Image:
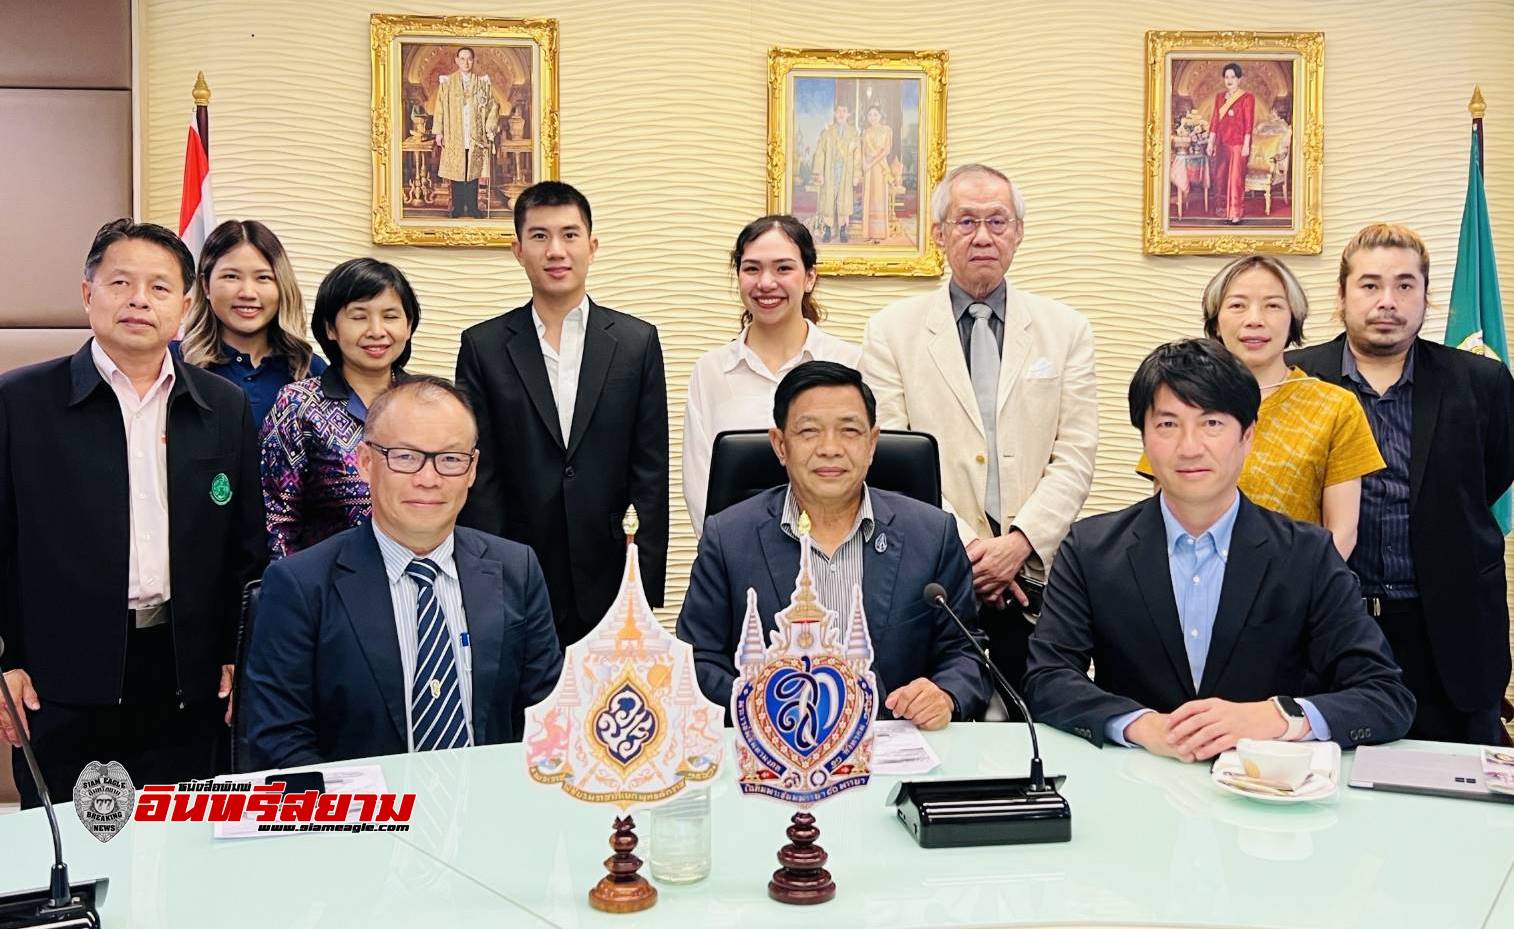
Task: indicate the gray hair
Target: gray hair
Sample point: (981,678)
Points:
(1293,292)
(941,197)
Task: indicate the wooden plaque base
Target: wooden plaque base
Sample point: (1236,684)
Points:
(803,878)
(623,890)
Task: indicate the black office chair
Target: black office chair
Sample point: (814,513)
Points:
(743,465)
(249,614)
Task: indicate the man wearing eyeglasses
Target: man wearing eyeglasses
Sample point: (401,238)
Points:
(1004,379)
(408,633)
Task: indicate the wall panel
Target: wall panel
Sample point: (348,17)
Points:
(663,113)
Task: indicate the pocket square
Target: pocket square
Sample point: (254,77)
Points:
(1040,370)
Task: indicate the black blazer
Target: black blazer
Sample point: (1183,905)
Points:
(64,523)
(324,676)
(1289,612)
(1461,460)
(744,547)
(566,497)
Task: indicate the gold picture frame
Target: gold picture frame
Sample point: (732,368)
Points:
(883,157)
(425,193)
(1193,204)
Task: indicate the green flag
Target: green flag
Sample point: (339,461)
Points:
(1476,321)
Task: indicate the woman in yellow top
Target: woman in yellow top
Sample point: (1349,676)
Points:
(1313,444)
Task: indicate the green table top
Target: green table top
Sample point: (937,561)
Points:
(1154,844)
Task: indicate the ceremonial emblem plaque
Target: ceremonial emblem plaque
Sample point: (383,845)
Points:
(803,706)
(626,725)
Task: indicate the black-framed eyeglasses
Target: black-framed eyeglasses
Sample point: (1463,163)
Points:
(411,460)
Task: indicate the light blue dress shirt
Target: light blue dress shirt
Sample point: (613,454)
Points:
(1198,575)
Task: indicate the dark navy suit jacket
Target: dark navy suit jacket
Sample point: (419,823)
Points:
(744,546)
(324,680)
(1290,613)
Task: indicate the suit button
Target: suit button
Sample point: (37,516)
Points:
(981,459)
(568,472)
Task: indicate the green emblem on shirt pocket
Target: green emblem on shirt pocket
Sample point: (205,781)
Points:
(220,489)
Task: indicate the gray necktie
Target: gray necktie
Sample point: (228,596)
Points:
(983,365)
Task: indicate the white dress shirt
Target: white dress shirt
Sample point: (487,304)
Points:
(565,361)
(146,421)
(732,389)
(405,593)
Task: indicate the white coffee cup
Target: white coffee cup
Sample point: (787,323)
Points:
(1284,762)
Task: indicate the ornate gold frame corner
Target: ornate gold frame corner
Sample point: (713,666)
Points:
(864,261)
(1306,237)
(384,30)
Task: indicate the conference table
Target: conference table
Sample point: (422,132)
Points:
(1154,843)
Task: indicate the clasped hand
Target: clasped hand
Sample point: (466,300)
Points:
(922,703)
(1202,729)
(996,563)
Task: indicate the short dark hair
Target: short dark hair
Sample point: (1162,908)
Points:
(360,279)
(465,48)
(426,388)
(551,193)
(813,374)
(1202,373)
(1233,66)
(119,230)
(795,232)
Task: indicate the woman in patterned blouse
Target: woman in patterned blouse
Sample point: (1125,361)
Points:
(1312,444)
(365,314)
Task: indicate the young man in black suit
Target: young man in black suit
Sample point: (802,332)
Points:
(573,419)
(1207,618)
(1429,552)
(130,519)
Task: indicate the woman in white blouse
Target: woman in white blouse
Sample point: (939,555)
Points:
(732,386)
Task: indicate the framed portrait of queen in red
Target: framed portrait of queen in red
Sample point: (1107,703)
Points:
(1234,143)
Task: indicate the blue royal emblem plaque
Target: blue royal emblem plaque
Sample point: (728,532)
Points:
(803,705)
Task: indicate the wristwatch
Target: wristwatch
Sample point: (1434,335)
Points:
(1293,715)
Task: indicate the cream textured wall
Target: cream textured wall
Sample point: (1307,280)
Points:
(663,114)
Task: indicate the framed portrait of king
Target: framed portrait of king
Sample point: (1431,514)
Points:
(464,119)
(1234,143)
(856,144)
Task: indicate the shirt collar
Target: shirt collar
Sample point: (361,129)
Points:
(1350,370)
(1220,532)
(578,316)
(734,353)
(112,373)
(995,301)
(864,516)
(397,556)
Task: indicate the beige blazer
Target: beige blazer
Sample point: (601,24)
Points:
(1048,425)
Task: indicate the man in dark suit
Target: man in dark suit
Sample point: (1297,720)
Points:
(1207,618)
(130,519)
(888,544)
(406,633)
(573,419)
(1429,552)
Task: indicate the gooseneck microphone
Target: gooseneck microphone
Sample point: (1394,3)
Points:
(935,595)
(955,813)
(59,904)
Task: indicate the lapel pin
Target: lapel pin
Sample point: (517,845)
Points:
(880,544)
(220,489)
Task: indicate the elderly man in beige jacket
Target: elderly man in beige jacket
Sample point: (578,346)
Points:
(1004,379)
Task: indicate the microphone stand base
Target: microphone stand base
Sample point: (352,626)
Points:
(950,813)
(32,909)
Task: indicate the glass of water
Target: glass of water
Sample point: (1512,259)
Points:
(680,852)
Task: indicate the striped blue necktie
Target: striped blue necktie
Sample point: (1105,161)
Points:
(436,704)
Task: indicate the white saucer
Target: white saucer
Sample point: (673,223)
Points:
(1322,783)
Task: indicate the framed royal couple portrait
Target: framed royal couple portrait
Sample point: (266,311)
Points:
(856,145)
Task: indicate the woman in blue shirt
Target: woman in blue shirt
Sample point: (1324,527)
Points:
(247,321)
